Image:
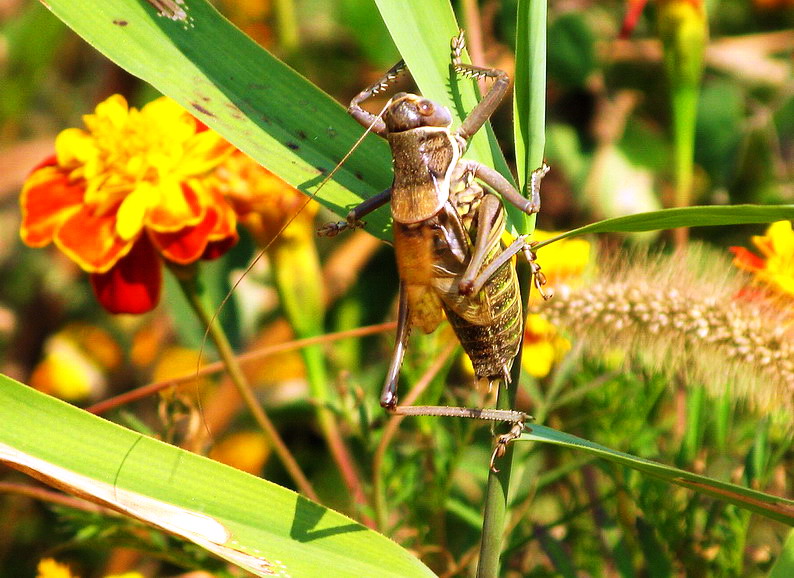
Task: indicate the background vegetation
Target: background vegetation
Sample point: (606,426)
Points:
(611,147)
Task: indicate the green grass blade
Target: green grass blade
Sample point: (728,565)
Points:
(262,527)
(683,217)
(774,507)
(246,94)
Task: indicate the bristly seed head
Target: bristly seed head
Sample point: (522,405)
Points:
(683,314)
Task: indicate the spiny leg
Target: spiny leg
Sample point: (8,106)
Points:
(353,219)
(367,119)
(485,108)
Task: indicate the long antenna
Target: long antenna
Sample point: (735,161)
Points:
(261,253)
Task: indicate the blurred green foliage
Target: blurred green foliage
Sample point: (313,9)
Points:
(572,515)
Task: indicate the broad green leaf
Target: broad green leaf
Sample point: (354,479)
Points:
(684,217)
(246,94)
(262,527)
(774,507)
(529,99)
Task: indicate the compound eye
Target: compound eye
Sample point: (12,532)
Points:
(426,108)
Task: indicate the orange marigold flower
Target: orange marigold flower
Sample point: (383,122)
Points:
(775,267)
(129,189)
(263,202)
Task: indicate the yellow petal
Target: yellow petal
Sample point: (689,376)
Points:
(132,212)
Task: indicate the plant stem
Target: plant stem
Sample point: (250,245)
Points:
(191,288)
(530,117)
(496,494)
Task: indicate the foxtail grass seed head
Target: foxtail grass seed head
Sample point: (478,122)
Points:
(690,316)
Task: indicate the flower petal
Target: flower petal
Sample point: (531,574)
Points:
(90,240)
(133,284)
(747,260)
(48,198)
(178,206)
(188,244)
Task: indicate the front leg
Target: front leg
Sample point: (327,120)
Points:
(502,186)
(489,103)
(366,119)
(353,219)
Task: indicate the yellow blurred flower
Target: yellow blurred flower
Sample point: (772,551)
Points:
(49,568)
(775,267)
(75,363)
(247,451)
(564,264)
(543,346)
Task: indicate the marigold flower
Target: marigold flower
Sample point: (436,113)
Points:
(264,202)
(127,191)
(775,267)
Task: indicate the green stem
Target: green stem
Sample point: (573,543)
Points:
(289,38)
(496,494)
(530,117)
(299,281)
(191,287)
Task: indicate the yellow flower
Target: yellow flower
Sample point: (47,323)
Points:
(247,451)
(49,568)
(775,267)
(75,363)
(127,191)
(563,263)
(543,346)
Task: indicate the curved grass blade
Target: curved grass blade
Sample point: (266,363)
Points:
(239,89)
(774,507)
(255,524)
(683,217)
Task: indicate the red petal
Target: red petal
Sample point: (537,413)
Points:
(91,241)
(747,260)
(133,284)
(188,244)
(48,199)
(217,248)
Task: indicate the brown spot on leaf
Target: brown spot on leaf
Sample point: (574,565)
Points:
(201,109)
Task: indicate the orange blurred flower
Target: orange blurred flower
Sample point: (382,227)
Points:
(264,202)
(126,192)
(775,267)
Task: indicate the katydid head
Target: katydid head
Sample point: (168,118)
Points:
(407,111)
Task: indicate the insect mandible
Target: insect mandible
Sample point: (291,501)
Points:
(447,236)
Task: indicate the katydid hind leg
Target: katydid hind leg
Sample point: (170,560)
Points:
(490,225)
(388,397)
